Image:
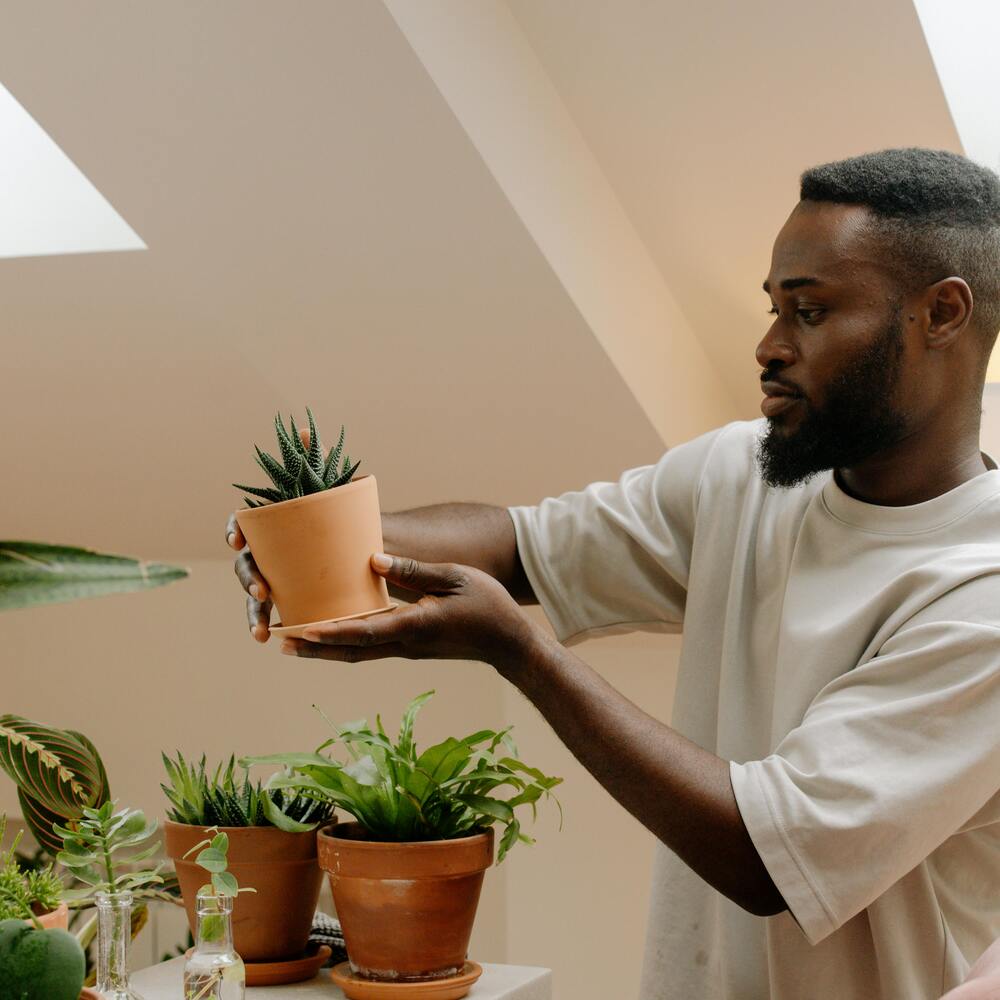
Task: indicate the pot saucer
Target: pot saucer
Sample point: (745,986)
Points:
(295,631)
(289,970)
(449,988)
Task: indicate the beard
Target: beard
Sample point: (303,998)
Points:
(858,419)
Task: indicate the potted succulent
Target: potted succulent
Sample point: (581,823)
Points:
(34,895)
(314,530)
(406,876)
(270,926)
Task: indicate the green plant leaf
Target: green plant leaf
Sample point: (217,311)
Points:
(35,573)
(212,860)
(225,883)
(330,469)
(315,454)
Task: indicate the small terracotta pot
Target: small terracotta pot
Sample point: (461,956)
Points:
(406,910)
(273,923)
(89,994)
(59,917)
(315,552)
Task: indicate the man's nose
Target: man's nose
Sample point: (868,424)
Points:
(775,349)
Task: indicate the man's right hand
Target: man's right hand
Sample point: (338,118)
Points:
(258,594)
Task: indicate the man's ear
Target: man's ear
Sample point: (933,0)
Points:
(947,309)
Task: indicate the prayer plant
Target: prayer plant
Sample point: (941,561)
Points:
(399,794)
(303,469)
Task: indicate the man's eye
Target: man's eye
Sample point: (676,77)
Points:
(811,315)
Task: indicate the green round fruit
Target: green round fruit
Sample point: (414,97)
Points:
(39,965)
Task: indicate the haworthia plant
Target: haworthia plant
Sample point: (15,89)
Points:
(58,773)
(33,573)
(302,470)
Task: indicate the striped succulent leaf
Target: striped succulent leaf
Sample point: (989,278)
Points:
(33,573)
(58,773)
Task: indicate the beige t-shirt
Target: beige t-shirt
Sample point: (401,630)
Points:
(846,658)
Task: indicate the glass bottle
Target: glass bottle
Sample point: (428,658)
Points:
(114,935)
(213,970)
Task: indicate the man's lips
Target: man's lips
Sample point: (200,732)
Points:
(777,398)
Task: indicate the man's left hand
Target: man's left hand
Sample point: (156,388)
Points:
(463,614)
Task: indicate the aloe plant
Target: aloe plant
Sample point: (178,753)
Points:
(33,573)
(400,795)
(58,773)
(202,798)
(303,469)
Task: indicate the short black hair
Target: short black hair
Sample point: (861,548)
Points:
(936,213)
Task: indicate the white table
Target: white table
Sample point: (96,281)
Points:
(498,982)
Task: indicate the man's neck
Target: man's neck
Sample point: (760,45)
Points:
(918,468)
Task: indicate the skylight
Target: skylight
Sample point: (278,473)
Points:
(47,206)
(962,36)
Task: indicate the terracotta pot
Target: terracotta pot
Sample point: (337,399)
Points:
(406,910)
(272,923)
(88,994)
(315,552)
(59,917)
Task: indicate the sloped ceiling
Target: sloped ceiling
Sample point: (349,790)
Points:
(320,231)
(703,115)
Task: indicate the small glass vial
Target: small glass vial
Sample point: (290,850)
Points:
(213,970)
(114,935)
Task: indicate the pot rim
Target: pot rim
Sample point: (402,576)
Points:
(255,512)
(237,829)
(323,832)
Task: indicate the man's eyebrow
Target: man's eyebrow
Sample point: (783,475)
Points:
(789,283)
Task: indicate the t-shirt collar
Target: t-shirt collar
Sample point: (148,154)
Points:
(926,516)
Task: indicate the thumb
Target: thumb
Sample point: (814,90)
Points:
(413,575)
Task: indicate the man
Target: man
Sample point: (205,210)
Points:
(827,799)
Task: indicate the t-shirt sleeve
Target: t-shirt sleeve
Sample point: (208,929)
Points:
(889,761)
(617,554)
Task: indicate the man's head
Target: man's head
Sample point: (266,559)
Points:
(885,285)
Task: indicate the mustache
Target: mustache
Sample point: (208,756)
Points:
(767,376)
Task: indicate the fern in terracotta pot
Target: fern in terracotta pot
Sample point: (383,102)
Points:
(313,531)
(406,876)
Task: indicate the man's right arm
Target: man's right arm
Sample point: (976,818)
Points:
(470,534)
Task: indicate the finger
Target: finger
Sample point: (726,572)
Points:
(253,583)
(385,627)
(234,536)
(259,619)
(343,654)
(430,578)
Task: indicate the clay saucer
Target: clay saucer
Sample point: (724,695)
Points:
(289,970)
(295,631)
(449,988)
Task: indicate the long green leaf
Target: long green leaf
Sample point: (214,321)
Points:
(33,573)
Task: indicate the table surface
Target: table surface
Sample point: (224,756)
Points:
(498,982)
